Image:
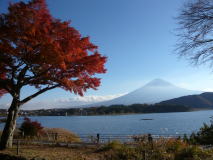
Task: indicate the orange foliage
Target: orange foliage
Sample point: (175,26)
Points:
(39,50)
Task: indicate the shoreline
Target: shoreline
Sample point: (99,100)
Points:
(2,117)
(121,114)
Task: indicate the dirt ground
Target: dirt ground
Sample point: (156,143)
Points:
(55,153)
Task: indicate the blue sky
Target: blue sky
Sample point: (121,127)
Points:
(137,36)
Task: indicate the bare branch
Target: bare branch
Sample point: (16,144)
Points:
(196,31)
(26,80)
(22,74)
(38,93)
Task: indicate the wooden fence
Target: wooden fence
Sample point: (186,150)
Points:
(103,138)
(99,138)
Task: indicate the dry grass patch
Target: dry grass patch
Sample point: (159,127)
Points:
(50,134)
(60,135)
(55,153)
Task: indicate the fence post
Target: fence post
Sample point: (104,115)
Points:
(144,154)
(17,147)
(150,140)
(56,136)
(98,138)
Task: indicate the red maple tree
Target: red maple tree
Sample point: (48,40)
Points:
(31,128)
(43,52)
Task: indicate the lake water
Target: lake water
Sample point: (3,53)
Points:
(162,123)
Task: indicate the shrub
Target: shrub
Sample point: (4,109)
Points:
(59,135)
(193,139)
(30,128)
(173,145)
(204,136)
(121,152)
(140,151)
(114,145)
(192,153)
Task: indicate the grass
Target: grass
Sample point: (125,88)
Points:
(51,135)
(63,135)
(163,149)
(55,153)
(160,150)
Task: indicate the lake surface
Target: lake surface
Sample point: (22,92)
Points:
(162,123)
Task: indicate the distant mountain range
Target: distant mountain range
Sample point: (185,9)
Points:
(156,91)
(204,100)
(153,92)
(155,97)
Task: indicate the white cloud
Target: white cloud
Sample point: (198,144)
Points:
(92,98)
(207,89)
(71,102)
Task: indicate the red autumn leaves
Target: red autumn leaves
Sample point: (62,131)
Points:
(39,50)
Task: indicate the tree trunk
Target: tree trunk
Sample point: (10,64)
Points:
(7,134)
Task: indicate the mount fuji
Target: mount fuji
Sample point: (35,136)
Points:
(153,92)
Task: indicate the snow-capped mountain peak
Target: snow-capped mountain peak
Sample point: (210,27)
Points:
(155,91)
